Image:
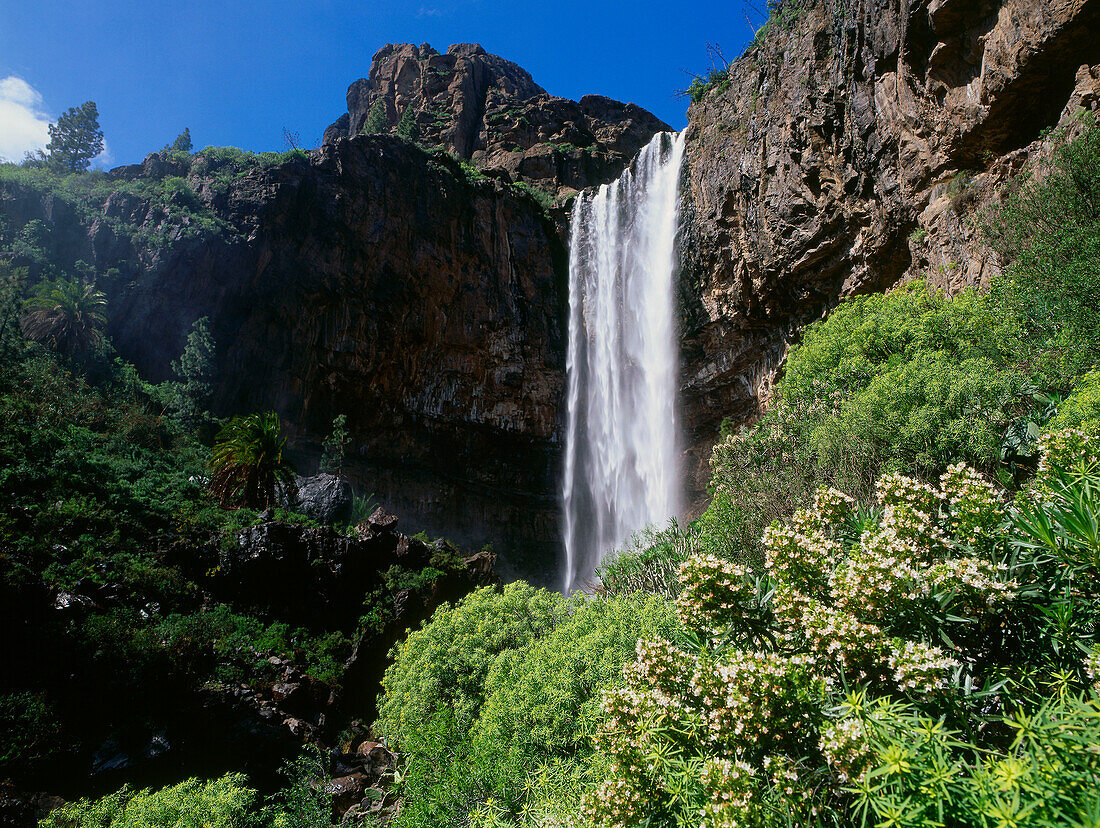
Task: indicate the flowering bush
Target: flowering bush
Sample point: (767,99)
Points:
(929,600)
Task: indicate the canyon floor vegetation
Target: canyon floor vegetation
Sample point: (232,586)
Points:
(886,616)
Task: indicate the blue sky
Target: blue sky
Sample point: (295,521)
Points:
(237,73)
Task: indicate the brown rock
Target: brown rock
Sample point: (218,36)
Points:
(833,142)
(345,791)
(382,521)
(489,110)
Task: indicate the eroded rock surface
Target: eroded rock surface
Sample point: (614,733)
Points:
(490,111)
(850,149)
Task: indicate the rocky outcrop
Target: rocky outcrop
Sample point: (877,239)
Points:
(851,148)
(312,575)
(488,110)
(327,498)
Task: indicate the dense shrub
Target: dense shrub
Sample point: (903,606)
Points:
(523,749)
(872,648)
(911,380)
(1048,230)
(1081,409)
(650,563)
(540,697)
(444,664)
(223,803)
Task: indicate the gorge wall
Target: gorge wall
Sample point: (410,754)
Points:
(854,145)
(419,286)
(388,280)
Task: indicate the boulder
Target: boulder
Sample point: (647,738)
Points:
(345,791)
(327,498)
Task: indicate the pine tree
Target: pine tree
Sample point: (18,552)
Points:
(76,138)
(196,373)
(183,141)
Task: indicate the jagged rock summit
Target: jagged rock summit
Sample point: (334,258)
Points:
(489,111)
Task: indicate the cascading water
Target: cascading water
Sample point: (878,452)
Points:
(622,448)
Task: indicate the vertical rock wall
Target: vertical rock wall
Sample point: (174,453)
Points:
(850,148)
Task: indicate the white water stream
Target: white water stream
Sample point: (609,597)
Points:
(622,449)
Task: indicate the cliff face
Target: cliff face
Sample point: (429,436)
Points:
(854,146)
(368,279)
(490,111)
(377,277)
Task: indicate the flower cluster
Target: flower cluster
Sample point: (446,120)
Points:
(843,744)
(975,510)
(798,556)
(731,784)
(705,732)
(1066,449)
(976,586)
(919,667)
(715,593)
(751,698)
(899,490)
(835,641)
(833,507)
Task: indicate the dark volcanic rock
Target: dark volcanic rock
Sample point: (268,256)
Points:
(489,110)
(369,279)
(838,137)
(327,498)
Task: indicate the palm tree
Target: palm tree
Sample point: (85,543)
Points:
(68,316)
(247,461)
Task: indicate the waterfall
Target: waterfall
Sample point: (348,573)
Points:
(622,469)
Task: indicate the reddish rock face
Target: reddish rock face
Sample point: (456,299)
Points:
(490,111)
(851,150)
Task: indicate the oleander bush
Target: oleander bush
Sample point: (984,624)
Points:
(926,662)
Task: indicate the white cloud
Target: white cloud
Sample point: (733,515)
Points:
(105,160)
(23,124)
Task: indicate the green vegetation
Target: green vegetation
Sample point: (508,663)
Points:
(492,700)
(66,315)
(335,445)
(195,371)
(717,80)
(406,125)
(781,16)
(889,668)
(75,139)
(226,802)
(888,614)
(376,118)
(223,803)
(545,200)
(182,142)
(247,463)
(1049,228)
